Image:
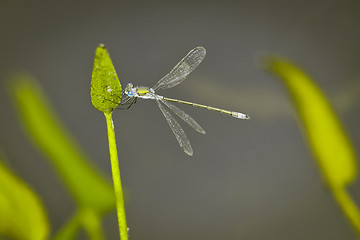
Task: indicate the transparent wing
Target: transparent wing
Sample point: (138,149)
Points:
(177,130)
(182,69)
(184,116)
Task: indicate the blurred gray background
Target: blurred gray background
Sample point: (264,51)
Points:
(249,180)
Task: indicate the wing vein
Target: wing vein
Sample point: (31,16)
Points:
(177,130)
(184,116)
(182,69)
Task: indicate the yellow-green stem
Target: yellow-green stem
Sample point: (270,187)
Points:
(116,178)
(349,207)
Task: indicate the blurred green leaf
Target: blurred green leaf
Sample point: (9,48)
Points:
(90,188)
(324,132)
(70,229)
(106,90)
(87,218)
(22,215)
(91,222)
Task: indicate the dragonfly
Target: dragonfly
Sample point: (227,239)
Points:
(173,78)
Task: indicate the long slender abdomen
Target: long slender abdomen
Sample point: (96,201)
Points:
(231,113)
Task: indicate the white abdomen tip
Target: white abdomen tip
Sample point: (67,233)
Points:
(240,115)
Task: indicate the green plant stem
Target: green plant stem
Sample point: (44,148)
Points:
(116,178)
(349,207)
(70,229)
(92,223)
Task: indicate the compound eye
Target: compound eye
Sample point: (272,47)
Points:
(129,90)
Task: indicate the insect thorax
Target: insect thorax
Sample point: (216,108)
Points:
(142,90)
(145,92)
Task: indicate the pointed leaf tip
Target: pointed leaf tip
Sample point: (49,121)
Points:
(106,92)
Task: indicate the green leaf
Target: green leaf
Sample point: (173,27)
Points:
(324,132)
(88,219)
(70,230)
(106,90)
(90,188)
(22,213)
